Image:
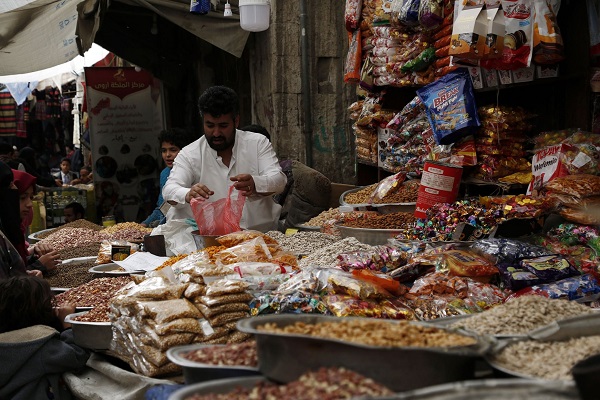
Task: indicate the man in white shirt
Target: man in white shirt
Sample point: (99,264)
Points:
(224,156)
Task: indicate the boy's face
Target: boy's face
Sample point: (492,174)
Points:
(83,173)
(65,166)
(169,151)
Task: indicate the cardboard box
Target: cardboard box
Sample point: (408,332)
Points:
(336,191)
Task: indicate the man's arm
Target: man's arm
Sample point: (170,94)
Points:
(271,179)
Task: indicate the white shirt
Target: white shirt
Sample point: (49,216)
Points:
(252,154)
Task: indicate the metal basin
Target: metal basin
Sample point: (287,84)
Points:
(91,335)
(368,236)
(204,241)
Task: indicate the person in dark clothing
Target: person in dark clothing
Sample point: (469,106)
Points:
(74,211)
(36,346)
(27,158)
(11,261)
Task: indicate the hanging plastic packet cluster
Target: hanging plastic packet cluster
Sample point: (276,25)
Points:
(450,106)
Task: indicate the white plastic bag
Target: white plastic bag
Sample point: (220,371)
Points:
(178,236)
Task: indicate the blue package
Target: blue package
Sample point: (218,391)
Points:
(450,106)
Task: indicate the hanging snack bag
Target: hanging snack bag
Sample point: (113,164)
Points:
(353,58)
(450,106)
(352,14)
(409,13)
(431,13)
(469,33)
(494,42)
(547,41)
(518,40)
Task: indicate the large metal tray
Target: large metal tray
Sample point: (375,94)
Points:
(368,236)
(91,335)
(284,357)
(111,269)
(219,386)
(493,389)
(33,237)
(194,372)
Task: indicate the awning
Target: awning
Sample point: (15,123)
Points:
(39,34)
(36,34)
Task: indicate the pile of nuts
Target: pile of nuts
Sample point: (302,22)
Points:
(129,234)
(92,294)
(87,250)
(235,354)
(327,256)
(404,193)
(73,237)
(395,220)
(127,225)
(327,215)
(374,332)
(96,314)
(303,242)
(360,197)
(78,223)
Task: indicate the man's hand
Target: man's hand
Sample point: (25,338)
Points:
(35,272)
(42,248)
(244,183)
(62,311)
(198,191)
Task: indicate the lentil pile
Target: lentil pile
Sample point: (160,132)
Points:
(130,231)
(521,315)
(88,250)
(547,360)
(395,220)
(96,314)
(327,256)
(71,275)
(374,332)
(236,354)
(324,384)
(303,242)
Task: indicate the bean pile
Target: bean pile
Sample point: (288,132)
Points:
(92,294)
(73,237)
(240,354)
(324,384)
(547,360)
(87,250)
(327,256)
(303,242)
(521,315)
(129,234)
(374,332)
(327,215)
(78,223)
(395,220)
(71,275)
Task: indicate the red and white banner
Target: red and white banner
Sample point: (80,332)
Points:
(125,117)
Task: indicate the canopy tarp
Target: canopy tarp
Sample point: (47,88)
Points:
(38,34)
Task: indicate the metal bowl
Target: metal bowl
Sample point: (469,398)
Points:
(219,386)
(493,389)
(368,236)
(284,357)
(308,228)
(195,372)
(91,335)
(204,241)
(33,237)
(111,269)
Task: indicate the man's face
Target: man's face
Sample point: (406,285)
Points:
(220,132)
(83,173)
(69,214)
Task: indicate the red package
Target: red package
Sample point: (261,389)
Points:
(353,59)
(352,14)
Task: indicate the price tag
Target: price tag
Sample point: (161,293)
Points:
(291,231)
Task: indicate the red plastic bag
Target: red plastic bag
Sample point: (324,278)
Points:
(218,217)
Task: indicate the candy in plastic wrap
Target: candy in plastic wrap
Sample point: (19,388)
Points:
(344,283)
(507,251)
(307,280)
(439,284)
(300,303)
(346,306)
(579,186)
(516,278)
(468,263)
(549,268)
(382,280)
(582,287)
(485,295)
